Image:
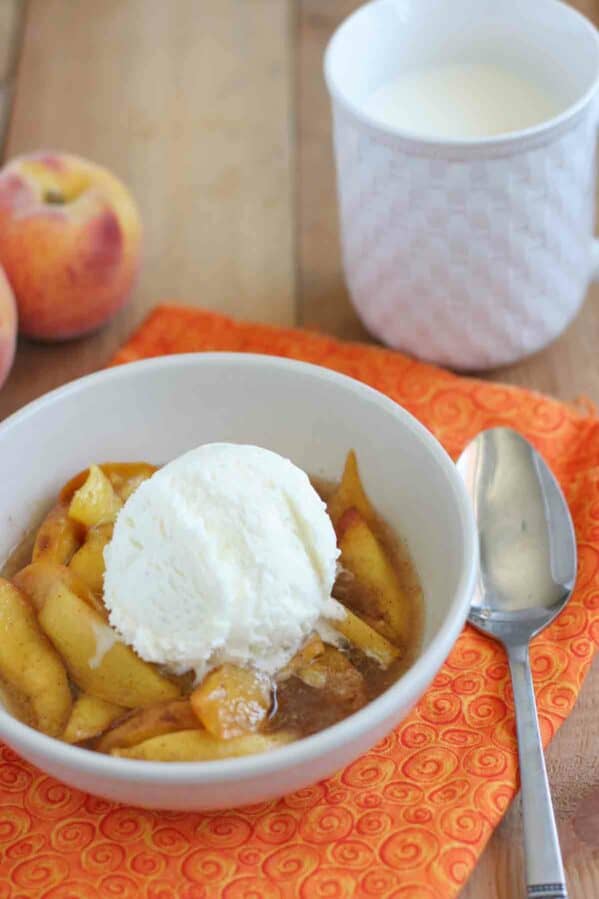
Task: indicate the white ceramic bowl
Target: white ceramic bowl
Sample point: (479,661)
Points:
(156,410)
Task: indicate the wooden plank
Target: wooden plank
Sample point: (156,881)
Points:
(189,103)
(12,14)
(323,299)
(567,369)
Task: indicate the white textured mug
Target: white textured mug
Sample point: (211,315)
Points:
(471,253)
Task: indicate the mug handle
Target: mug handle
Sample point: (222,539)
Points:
(595,241)
(595,259)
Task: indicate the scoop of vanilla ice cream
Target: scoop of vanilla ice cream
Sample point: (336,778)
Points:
(226,554)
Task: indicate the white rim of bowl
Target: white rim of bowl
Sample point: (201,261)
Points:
(414,681)
(502,144)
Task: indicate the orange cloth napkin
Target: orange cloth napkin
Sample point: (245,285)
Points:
(409,818)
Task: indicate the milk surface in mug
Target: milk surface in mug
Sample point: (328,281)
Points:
(461,100)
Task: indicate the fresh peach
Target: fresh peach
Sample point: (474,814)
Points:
(70,238)
(8,327)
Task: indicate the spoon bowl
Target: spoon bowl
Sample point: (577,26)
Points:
(527,572)
(526,537)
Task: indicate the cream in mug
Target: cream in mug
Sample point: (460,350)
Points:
(461,100)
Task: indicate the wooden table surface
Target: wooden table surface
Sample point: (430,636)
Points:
(215,114)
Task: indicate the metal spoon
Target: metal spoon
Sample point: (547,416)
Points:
(527,574)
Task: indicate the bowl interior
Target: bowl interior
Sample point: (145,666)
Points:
(158,409)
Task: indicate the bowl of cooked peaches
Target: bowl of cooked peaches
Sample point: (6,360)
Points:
(223,577)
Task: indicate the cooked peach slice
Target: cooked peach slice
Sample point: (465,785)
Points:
(201,746)
(17,704)
(29,663)
(145,724)
(38,579)
(232,701)
(365,638)
(312,648)
(96,501)
(98,662)
(88,561)
(67,490)
(364,556)
(350,493)
(90,717)
(58,537)
(125,477)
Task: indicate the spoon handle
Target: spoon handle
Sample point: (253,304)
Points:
(544,869)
